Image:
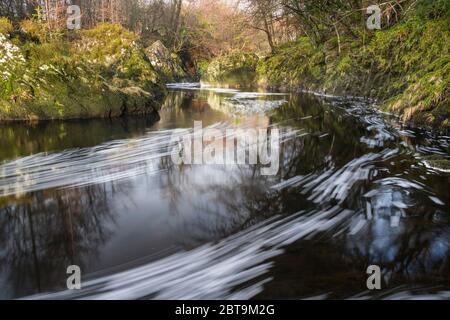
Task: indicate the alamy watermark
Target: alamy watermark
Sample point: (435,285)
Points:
(74,280)
(374,20)
(374,280)
(213,146)
(74,16)
(73,21)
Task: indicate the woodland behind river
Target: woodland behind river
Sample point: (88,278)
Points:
(126,51)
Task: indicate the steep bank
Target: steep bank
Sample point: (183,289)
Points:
(235,69)
(101,72)
(406,68)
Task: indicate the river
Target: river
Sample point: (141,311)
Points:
(353,189)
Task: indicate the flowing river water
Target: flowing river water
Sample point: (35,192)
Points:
(353,189)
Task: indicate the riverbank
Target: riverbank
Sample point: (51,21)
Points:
(405,68)
(97,73)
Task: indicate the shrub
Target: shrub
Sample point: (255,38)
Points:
(5,26)
(12,66)
(39,30)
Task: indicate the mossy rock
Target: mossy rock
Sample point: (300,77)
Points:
(168,65)
(237,69)
(99,75)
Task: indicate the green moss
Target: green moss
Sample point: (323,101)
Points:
(297,64)
(419,75)
(406,67)
(167,64)
(237,68)
(103,73)
(5,26)
(106,43)
(202,67)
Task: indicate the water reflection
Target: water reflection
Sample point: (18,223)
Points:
(350,192)
(44,232)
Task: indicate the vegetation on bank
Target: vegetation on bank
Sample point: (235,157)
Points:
(406,67)
(237,68)
(119,63)
(99,72)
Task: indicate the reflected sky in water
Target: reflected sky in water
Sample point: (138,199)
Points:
(353,190)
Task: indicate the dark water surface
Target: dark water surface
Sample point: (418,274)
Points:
(353,190)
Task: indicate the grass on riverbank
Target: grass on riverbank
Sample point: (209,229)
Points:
(406,68)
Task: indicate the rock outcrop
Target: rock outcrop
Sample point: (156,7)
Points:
(235,69)
(167,64)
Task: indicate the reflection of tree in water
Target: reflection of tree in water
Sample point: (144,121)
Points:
(230,200)
(45,232)
(331,133)
(227,200)
(182,108)
(415,253)
(413,248)
(22,139)
(215,208)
